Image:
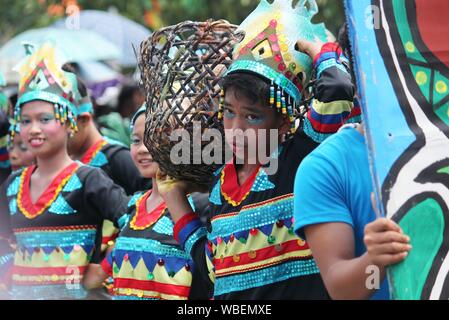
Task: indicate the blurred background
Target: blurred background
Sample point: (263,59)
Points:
(99,37)
(17,16)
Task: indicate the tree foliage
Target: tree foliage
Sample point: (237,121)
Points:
(18,16)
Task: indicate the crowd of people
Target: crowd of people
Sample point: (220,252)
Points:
(83,216)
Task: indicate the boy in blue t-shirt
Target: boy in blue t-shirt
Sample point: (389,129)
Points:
(332,208)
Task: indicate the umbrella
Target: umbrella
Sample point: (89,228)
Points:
(100,79)
(122,31)
(76,45)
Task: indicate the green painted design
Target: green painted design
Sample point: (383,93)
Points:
(441,87)
(422,75)
(424,224)
(400,14)
(422,78)
(443,113)
(444,170)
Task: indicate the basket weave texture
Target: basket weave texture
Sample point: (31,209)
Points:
(181,66)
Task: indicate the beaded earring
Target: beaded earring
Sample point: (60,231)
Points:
(272,94)
(221,105)
(62,114)
(278,100)
(284,104)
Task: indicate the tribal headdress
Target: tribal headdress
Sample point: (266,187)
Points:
(42,78)
(268,49)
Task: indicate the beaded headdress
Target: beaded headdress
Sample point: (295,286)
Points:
(85,105)
(42,78)
(268,49)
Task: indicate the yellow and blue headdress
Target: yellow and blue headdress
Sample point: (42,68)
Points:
(268,49)
(42,78)
(85,105)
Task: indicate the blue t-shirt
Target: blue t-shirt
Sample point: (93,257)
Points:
(333,184)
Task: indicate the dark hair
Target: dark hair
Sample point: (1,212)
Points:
(252,87)
(127,93)
(69,67)
(345,44)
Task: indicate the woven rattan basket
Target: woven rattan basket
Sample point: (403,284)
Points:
(181,67)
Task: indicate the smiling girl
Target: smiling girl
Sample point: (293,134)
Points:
(51,211)
(147,262)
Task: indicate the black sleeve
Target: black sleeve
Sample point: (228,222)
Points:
(4,123)
(104,198)
(125,173)
(202,287)
(202,205)
(334,85)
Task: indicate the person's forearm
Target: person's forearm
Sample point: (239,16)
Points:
(353,279)
(94,277)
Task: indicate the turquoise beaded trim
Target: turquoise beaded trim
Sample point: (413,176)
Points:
(60,206)
(49,292)
(253,218)
(164,225)
(262,183)
(13,206)
(218,171)
(5,259)
(267,72)
(99,161)
(314,135)
(5,164)
(123,221)
(13,187)
(192,204)
(193,238)
(73,184)
(215,195)
(150,246)
(355,119)
(134,198)
(259,278)
(46,96)
(326,64)
(86,108)
(54,239)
